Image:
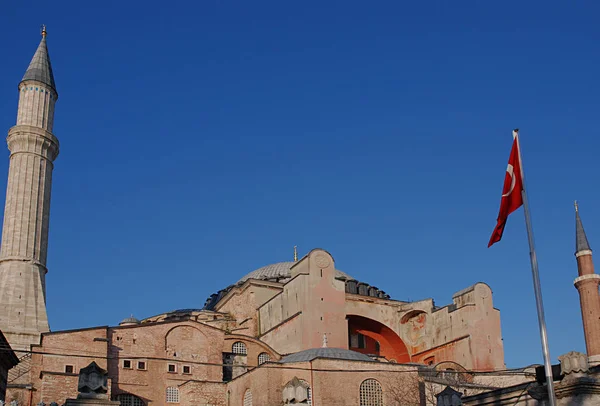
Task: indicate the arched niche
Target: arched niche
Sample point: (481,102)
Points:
(381,340)
(187,343)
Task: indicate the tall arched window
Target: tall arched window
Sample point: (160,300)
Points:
(248,398)
(371,393)
(239,348)
(128,399)
(172,394)
(263,357)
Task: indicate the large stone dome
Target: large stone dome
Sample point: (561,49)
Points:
(280,272)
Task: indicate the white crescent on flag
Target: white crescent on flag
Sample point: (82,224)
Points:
(510,171)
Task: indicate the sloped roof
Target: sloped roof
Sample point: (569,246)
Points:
(332,353)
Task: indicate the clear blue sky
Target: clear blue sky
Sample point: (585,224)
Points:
(202,140)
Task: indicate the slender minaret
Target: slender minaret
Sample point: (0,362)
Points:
(587,285)
(24,248)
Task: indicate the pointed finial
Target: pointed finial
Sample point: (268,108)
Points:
(295,253)
(44,33)
(581,242)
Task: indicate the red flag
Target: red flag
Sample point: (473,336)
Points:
(512,198)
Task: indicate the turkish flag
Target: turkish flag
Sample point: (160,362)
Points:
(512,197)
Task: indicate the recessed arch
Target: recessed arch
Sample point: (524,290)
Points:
(409,315)
(186,342)
(381,340)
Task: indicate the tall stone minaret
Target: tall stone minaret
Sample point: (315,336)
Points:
(33,148)
(587,285)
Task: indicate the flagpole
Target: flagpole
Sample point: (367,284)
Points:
(537,288)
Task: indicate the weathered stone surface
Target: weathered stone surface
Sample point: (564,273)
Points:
(33,149)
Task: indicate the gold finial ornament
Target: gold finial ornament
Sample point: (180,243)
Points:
(44,33)
(576,207)
(295,253)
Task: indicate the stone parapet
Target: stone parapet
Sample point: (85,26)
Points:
(594,277)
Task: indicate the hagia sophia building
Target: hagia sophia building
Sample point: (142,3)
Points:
(299,332)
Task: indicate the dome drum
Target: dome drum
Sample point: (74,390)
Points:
(281,273)
(129,321)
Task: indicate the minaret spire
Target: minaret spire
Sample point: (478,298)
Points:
(581,241)
(23,253)
(40,68)
(587,285)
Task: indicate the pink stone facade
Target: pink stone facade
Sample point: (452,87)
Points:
(215,356)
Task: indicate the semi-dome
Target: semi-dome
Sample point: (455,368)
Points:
(325,352)
(280,272)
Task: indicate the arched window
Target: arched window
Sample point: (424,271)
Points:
(127,399)
(263,357)
(239,348)
(371,393)
(248,398)
(172,394)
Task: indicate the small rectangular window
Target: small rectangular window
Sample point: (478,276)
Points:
(142,365)
(127,364)
(187,369)
(172,368)
(69,369)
